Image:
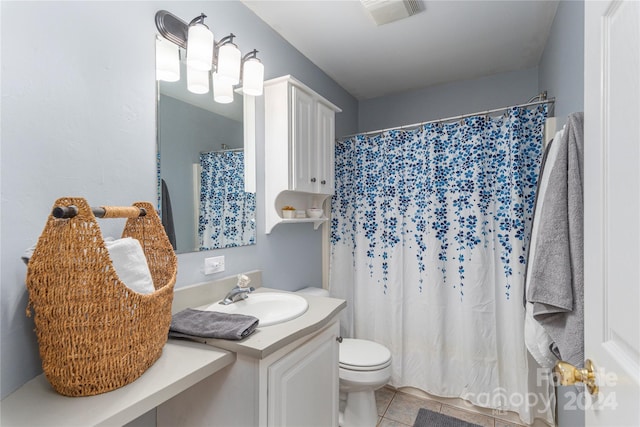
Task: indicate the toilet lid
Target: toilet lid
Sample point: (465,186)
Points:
(362,355)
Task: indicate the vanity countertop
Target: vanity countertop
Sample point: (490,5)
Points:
(181,365)
(267,340)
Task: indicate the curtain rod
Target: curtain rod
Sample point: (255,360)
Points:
(224,150)
(447,119)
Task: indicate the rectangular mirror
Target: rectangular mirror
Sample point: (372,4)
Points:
(202,156)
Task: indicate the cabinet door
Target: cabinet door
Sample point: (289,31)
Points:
(303,386)
(325,137)
(302,156)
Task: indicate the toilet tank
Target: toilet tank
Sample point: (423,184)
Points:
(316,292)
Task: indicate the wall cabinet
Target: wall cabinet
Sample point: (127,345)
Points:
(296,386)
(299,149)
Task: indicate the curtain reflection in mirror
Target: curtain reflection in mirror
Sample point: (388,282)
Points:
(226,217)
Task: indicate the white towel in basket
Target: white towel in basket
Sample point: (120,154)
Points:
(130,264)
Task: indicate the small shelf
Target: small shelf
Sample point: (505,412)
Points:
(317,222)
(299,200)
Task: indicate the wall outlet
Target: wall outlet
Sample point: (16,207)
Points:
(213,265)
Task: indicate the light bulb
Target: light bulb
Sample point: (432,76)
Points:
(197,81)
(252,77)
(167,61)
(200,47)
(229,57)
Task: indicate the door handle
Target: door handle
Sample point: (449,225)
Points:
(567,374)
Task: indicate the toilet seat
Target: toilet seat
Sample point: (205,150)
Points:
(363,355)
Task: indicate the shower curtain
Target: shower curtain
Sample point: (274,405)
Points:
(430,229)
(227,212)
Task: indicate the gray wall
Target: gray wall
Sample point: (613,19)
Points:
(448,100)
(78,118)
(562,63)
(562,75)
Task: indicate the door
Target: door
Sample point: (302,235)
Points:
(612,209)
(325,137)
(303,385)
(303,167)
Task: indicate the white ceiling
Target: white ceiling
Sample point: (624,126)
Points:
(446,41)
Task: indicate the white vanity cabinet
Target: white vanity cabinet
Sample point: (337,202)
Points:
(296,386)
(302,387)
(299,148)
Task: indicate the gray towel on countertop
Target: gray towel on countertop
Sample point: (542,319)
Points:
(211,324)
(556,286)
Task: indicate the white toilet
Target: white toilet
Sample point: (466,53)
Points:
(365,366)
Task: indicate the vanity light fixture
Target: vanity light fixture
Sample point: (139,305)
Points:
(252,74)
(228,60)
(204,54)
(199,45)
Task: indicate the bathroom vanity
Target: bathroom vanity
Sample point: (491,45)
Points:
(284,375)
(281,375)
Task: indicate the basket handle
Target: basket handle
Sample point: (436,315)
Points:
(101,211)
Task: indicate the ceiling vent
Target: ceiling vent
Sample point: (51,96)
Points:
(385,11)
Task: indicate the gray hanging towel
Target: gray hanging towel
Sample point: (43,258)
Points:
(167,215)
(556,286)
(211,324)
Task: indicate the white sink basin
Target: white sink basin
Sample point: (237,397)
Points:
(270,308)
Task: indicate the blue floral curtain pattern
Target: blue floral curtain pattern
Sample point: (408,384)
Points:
(430,229)
(227,212)
(467,184)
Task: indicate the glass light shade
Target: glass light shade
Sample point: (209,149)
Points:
(229,58)
(197,81)
(252,77)
(167,61)
(222,91)
(200,47)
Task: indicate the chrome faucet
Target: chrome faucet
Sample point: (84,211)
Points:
(240,292)
(237,294)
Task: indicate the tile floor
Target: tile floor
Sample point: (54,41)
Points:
(399,409)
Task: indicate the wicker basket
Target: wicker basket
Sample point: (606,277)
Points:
(94,333)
